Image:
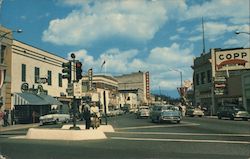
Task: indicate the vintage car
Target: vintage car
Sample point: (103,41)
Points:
(232,112)
(54,117)
(143,111)
(191,111)
(162,113)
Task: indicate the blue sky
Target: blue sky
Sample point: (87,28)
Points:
(130,35)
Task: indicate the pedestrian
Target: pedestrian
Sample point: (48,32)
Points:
(95,114)
(5,118)
(87,116)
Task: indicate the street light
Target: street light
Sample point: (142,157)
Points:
(5,34)
(240,32)
(179,72)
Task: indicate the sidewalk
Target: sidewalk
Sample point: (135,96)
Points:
(18,126)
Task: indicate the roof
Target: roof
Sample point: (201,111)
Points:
(34,99)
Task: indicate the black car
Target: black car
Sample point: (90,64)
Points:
(232,112)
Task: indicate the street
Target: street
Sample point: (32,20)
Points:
(194,137)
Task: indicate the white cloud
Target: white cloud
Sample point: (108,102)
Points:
(214,9)
(137,20)
(159,63)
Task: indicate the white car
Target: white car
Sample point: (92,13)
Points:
(143,111)
(54,118)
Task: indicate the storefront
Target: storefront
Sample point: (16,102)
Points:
(29,107)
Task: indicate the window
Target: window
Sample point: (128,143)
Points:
(60,80)
(209,76)
(197,79)
(3,48)
(49,78)
(203,77)
(37,74)
(23,73)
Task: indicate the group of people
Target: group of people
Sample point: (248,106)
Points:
(91,115)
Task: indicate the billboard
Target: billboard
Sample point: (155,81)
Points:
(235,59)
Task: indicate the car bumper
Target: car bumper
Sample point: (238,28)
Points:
(47,120)
(170,118)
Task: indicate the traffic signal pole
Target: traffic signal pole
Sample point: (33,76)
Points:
(74,66)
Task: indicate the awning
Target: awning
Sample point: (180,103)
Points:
(51,100)
(34,99)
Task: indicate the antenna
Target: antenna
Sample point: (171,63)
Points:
(203,37)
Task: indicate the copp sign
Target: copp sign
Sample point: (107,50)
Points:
(233,59)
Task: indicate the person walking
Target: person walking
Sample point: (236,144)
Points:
(87,116)
(5,118)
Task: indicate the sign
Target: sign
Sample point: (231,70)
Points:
(77,90)
(220,79)
(220,85)
(235,59)
(219,91)
(69,90)
(147,85)
(42,80)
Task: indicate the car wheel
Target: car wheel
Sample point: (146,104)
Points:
(219,117)
(178,121)
(232,118)
(245,119)
(158,120)
(153,121)
(200,116)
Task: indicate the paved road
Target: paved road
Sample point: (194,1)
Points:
(139,138)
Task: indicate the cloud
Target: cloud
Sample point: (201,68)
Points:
(136,20)
(93,20)
(214,9)
(160,63)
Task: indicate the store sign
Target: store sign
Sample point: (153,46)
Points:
(219,91)
(147,85)
(233,59)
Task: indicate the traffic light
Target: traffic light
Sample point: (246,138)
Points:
(67,71)
(78,71)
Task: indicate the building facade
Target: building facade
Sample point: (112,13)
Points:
(136,81)
(27,73)
(217,77)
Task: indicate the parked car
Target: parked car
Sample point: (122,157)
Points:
(165,113)
(194,112)
(54,117)
(143,111)
(232,112)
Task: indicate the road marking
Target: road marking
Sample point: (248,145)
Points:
(158,126)
(181,140)
(184,134)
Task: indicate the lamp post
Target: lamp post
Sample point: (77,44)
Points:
(6,33)
(241,32)
(180,74)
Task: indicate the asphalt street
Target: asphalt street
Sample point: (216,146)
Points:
(135,138)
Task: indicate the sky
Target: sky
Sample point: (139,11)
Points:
(159,36)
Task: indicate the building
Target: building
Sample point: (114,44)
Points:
(29,73)
(218,77)
(136,81)
(101,89)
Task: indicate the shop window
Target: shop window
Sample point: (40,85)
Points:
(23,73)
(37,74)
(49,78)
(197,79)
(60,80)
(3,49)
(209,76)
(203,77)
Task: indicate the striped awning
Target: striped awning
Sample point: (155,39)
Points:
(26,98)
